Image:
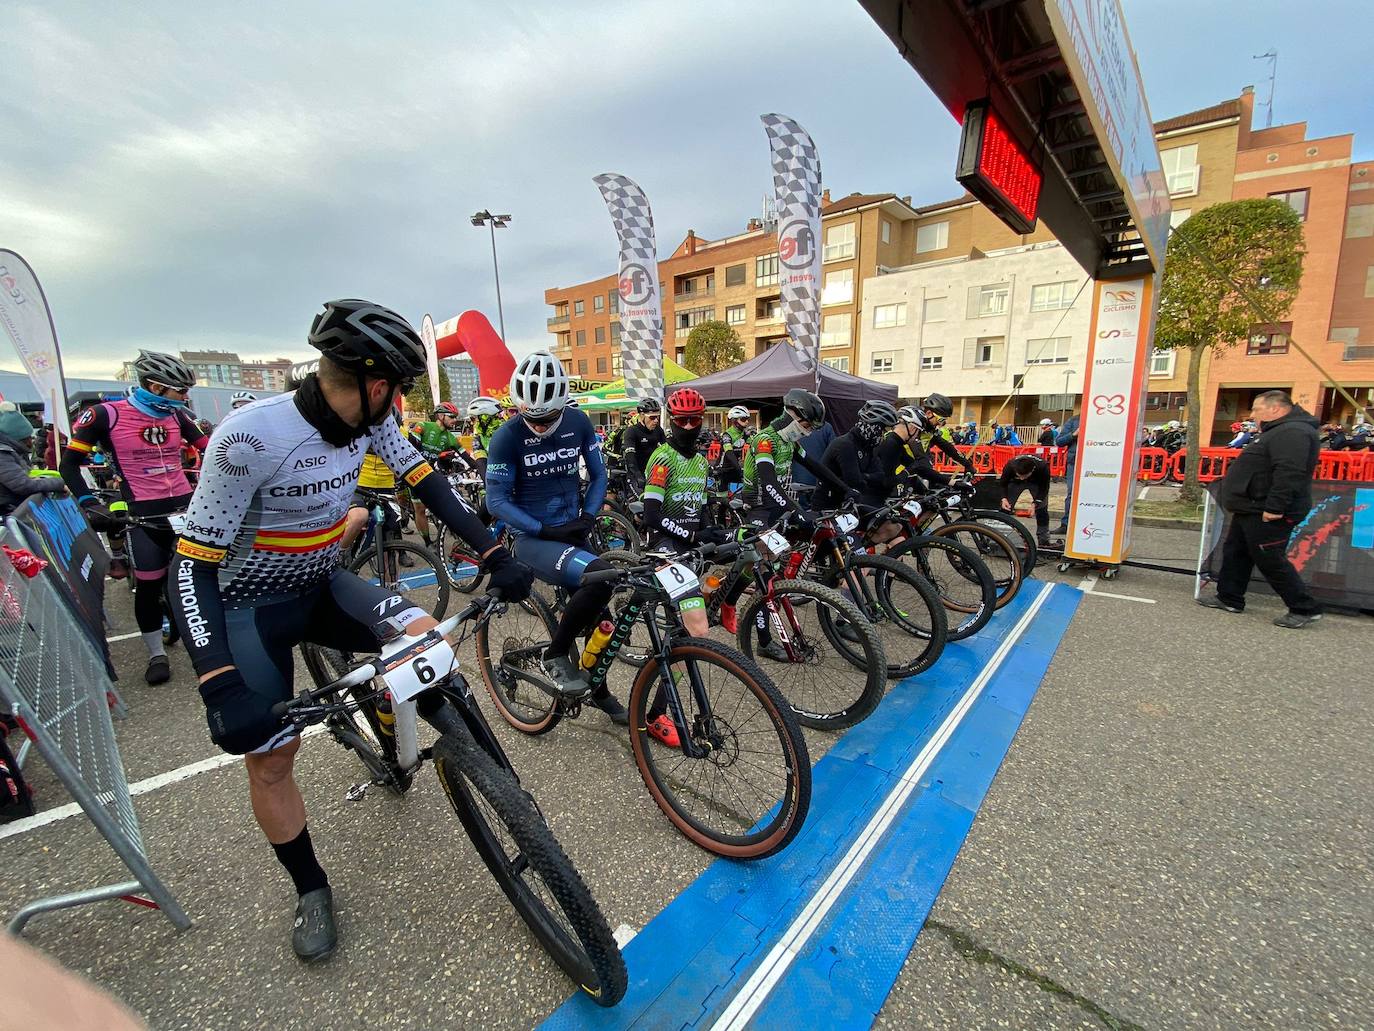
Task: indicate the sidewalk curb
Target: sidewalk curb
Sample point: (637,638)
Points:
(1160,523)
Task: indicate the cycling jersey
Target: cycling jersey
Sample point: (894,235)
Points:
(431,438)
(375,475)
(858,467)
(737,438)
(767,448)
(144,449)
(674,496)
(534,482)
(639,443)
(266,518)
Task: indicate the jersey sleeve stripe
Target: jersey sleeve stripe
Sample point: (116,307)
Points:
(415,475)
(80,446)
(200,551)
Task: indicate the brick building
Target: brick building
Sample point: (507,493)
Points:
(266,375)
(215,368)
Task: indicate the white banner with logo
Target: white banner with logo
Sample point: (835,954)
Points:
(797,187)
(28,323)
(431,356)
(1109,424)
(641,311)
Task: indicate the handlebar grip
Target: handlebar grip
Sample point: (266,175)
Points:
(280,710)
(601,576)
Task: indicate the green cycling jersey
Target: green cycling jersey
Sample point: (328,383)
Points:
(767,447)
(433,438)
(678,483)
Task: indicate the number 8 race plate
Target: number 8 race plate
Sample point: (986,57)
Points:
(678,580)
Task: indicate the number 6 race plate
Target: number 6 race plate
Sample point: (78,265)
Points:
(678,580)
(412,664)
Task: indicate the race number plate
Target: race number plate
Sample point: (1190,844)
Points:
(847,522)
(413,664)
(678,580)
(775,543)
(913,507)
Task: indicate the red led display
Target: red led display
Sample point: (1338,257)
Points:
(996,169)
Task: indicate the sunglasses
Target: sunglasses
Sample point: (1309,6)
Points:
(543,421)
(687,422)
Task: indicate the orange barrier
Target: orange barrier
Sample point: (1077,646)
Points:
(1154,466)
(1331,465)
(1344,465)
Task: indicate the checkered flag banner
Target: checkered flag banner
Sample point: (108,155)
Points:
(641,312)
(797,187)
(431,356)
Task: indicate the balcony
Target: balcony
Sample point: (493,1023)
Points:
(689,296)
(1358,353)
(558,320)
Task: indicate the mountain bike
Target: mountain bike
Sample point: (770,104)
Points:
(382,556)
(956,505)
(419,675)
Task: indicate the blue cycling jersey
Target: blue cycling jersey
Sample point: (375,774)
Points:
(534,482)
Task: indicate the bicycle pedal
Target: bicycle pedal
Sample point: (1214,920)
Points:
(356,792)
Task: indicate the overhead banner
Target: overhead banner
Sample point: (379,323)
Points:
(431,357)
(641,312)
(28,323)
(1119,346)
(797,187)
(471,333)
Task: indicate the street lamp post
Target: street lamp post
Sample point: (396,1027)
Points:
(495,222)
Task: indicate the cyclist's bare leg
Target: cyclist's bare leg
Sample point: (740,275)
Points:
(354,523)
(277,802)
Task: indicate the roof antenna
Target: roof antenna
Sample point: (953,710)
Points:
(1272,56)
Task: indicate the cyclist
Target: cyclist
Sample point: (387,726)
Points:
(736,445)
(534,487)
(433,439)
(257,568)
(485,414)
(904,461)
(142,436)
(676,516)
(641,439)
(241,398)
(853,460)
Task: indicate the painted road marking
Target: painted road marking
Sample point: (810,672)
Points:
(756,990)
(1118,597)
(123,637)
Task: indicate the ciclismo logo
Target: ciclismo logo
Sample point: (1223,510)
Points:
(796,244)
(1091,532)
(636,284)
(1119,300)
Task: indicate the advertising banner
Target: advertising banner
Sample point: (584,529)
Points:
(431,357)
(1109,424)
(641,310)
(797,188)
(28,323)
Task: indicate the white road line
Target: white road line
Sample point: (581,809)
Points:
(161,780)
(1086,584)
(123,637)
(623,935)
(755,991)
(1119,597)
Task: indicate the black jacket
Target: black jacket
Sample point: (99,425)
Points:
(857,468)
(1273,473)
(15,482)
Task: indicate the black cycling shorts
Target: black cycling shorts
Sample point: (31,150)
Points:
(150,547)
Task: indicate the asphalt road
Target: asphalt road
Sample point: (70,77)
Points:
(1179,837)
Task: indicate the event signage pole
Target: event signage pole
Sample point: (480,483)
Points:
(1119,345)
(28,323)
(641,312)
(797,187)
(431,357)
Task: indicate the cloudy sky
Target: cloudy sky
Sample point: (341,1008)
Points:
(194,176)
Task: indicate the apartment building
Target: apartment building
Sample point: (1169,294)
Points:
(215,368)
(1352,308)
(266,375)
(464,382)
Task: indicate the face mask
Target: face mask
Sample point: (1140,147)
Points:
(311,404)
(792,432)
(154,404)
(868,432)
(542,433)
(685,441)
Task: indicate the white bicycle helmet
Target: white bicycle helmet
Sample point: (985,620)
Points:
(737,412)
(1046,422)
(539,387)
(908,413)
(241,398)
(483,406)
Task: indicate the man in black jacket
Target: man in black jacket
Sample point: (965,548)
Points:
(1268,491)
(1028,473)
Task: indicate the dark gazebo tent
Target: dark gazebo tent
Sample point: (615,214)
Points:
(762,381)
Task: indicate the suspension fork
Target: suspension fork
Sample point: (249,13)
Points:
(784,628)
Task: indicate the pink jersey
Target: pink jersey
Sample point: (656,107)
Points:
(146,450)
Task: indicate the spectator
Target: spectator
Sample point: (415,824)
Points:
(1360,438)
(1244,433)
(1028,473)
(1267,490)
(970,434)
(1172,436)
(16,480)
(817,442)
(1047,433)
(1068,438)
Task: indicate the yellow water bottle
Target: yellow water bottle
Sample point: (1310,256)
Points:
(596,644)
(386,719)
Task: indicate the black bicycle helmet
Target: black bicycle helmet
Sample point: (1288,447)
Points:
(167,369)
(649,406)
(880,412)
(804,405)
(368,339)
(939,404)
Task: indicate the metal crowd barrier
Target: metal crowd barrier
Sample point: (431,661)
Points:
(54,681)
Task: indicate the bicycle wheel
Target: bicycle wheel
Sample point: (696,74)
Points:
(818,679)
(747,795)
(366,738)
(421,582)
(509,644)
(514,841)
(996,552)
(900,604)
(460,561)
(614,531)
(1014,531)
(962,580)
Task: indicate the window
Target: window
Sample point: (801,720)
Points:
(615,364)
(839,287)
(1270,339)
(582,367)
(734,315)
(839,242)
(613,299)
(1177,216)
(599,334)
(1295,199)
(598,303)
(1047,351)
(835,330)
(734,275)
(579,308)
(581,338)
(932,237)
(1181,170)
(934,310)
(885,316)
(766,270)
(1053,296)
(981,352)
(991,300)
(885,361)
(770,311)
(840,364)
(932,358)
(1369,281)
(1359,221)
(687,320)
(885,230)
(615,332)
(601,366)
(1162,363)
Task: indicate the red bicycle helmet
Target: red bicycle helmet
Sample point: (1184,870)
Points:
(686,401)
(446,408)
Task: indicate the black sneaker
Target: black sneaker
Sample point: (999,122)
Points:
(314,935)
(846,630)
(564,674)
(159,670)
(1297,620)
(406,561)
(607,703)
(773,650)
(1211,601)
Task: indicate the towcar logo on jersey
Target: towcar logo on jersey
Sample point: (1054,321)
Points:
(543,458)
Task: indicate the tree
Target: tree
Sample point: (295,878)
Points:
(1229,269)
(419,398)
(712,346)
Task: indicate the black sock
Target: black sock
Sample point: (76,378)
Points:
(580,615)
(298,856)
